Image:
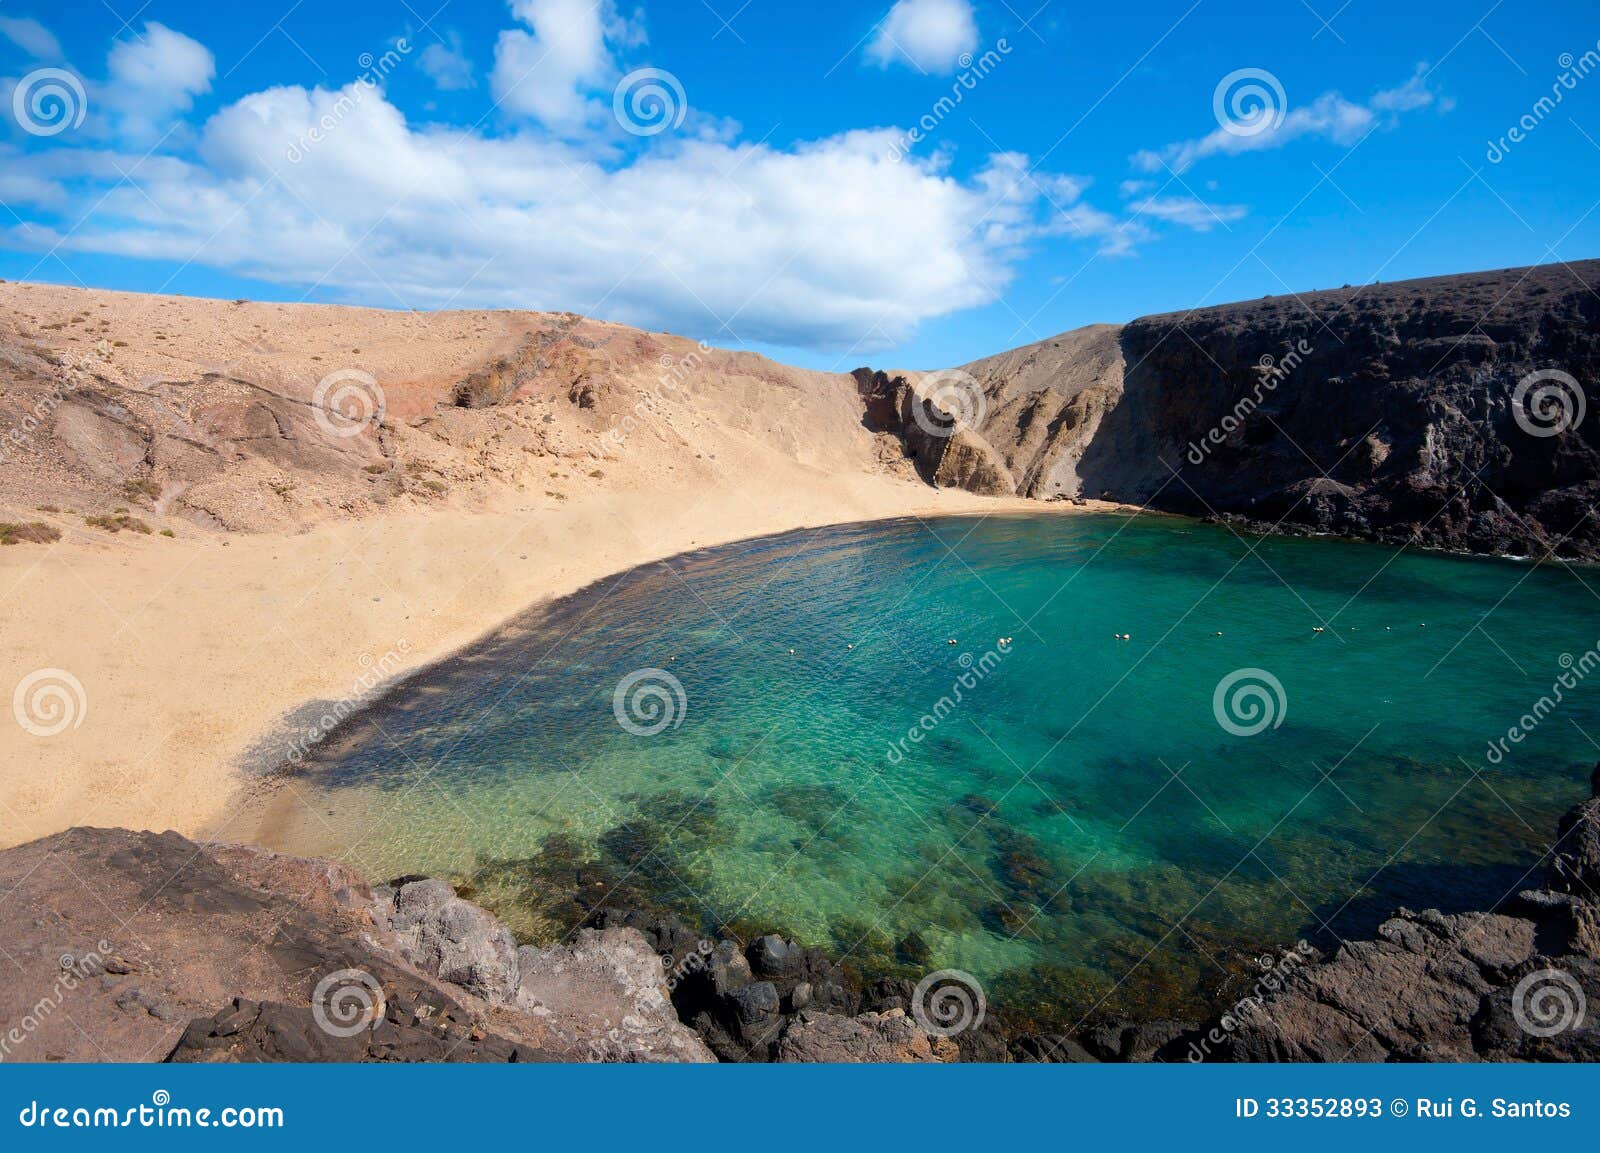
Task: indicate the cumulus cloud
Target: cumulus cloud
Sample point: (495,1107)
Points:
(842,242)
(553,70)
(447,65)
(824,244)
(1328,117)
(929,35)
(30,36)
(154,78)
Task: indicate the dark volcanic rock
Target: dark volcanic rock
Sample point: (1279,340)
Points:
(1511,985)
(1575,859)
(1384,411)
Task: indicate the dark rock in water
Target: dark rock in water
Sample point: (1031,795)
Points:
(1002,919)
(888,993)
(912,949)
(772,956)
(1575,858)
(756,1018)
(1153,1040)
(1136,1041)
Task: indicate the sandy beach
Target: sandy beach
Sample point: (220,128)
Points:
(191,651)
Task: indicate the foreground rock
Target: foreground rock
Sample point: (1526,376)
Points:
(142,946)
(1518,984)
(139,946)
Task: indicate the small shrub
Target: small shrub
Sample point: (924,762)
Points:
(145,486)
(33,532)
(376,469)
(117,522)
(168,532)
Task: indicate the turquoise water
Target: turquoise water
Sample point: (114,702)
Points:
(1072,823)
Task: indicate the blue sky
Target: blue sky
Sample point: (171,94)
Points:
(485,154)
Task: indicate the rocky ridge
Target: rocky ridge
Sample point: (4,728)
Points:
(1449,412)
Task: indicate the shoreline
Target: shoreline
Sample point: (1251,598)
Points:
(195,655)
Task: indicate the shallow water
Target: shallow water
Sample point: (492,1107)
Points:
(1072,822)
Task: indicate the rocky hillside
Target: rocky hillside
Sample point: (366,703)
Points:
(132,413)
(1450,411)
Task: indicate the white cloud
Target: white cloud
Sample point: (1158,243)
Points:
(554,72)
(930,35)
(447,65)
(837,243)
(30,36)
(1189,212)
(826,243)
(1329,117)
(154,78)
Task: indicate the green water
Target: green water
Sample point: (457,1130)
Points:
(1073,824)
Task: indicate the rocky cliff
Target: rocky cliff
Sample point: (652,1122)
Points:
(1450,412)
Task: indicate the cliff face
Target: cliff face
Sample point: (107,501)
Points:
(1398,411)
(1450,411)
